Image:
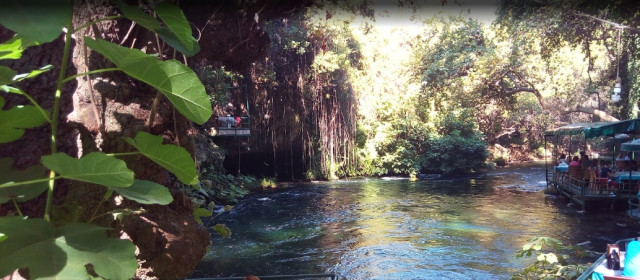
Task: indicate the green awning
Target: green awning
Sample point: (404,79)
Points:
(597,129)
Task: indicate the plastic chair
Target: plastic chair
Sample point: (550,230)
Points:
(597,184)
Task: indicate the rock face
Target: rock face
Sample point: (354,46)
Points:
(168,240)
(98,113)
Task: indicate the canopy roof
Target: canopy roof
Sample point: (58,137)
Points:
(596,129)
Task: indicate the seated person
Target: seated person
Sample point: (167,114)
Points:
(622,165)
(622,157)
(605,172)
(594,166)
(632,259)
(562,160)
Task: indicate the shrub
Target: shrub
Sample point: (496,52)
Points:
(268,183)
(554,260)
(500,161)
(453,154)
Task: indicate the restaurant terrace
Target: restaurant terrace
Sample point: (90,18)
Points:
(601,141)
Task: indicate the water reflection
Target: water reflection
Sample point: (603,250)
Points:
(396,229)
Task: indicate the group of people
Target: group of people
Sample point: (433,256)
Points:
(603,169)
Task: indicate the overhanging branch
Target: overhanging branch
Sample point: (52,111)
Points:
(520,85)
(602,114)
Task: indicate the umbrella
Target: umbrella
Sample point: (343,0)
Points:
(622,136)
(632,146)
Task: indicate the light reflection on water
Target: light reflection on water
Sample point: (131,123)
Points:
(396,229)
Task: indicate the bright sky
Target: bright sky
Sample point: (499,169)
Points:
(397,24)
(388,12)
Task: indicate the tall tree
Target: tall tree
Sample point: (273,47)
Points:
(586,25)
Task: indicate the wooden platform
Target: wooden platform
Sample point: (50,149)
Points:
(224,131)
(580,192)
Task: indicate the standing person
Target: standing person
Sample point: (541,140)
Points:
(584,159)
(584,165)
(575,171)
(574,161)
(605,172)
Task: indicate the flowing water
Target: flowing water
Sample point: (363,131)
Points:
(396,229)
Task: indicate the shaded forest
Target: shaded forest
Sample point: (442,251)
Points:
(388,90)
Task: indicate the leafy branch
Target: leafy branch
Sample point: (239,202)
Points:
(74,245)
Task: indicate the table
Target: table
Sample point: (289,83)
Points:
(624,175)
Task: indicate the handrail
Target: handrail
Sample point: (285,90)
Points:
(633,204)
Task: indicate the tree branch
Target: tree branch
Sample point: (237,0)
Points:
(517,87)
(592,111)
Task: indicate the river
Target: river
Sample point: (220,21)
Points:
(466,228)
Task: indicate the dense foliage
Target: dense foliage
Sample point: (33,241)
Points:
(71,240)
(351,96)
(603,32)
(553,259)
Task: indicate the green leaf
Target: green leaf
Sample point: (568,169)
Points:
(24,192)
(9,89)
(36,20)
(13,48)
(174,158)
(177,32)
(3,237)
(63,252)
(549,257)
(146,192)
(140,17)
(14,121)
(6,75)
(33,73)
(97,168)
(175,80)
(201,212)
(223,230)
(29,244)
(119,214)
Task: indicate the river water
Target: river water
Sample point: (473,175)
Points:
(466,228)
